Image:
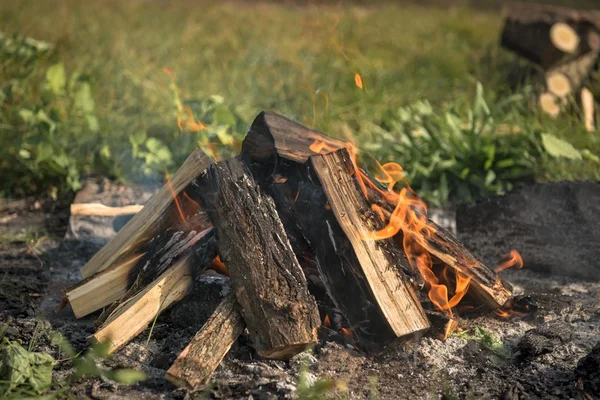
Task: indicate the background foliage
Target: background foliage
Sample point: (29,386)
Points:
(101,86)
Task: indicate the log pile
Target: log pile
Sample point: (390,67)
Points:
(296,224)
(564,43)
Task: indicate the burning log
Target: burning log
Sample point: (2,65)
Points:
(132,317)
(318,194)
(147,223)
(273,144)
(155,236)
(199,360)
(268,282)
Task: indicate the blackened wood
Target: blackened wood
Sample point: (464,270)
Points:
(195,365)
(281,315)
(198,238)
(309,218)
(555,227)
(272,134)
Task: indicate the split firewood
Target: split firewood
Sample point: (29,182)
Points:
(196,364)
(548,35)
(133,316)
(150,220)
(99,209)
(155,236)
(202,244)
(489,287)
(124,279)
(588,106)
(339,239)
(273,143)
(269,285)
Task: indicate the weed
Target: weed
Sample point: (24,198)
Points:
(487,339)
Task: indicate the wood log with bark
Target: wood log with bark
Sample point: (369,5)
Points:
(268,282)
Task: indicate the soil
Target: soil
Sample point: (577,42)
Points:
(550,352)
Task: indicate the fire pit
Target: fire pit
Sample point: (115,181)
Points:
(289,271)
(306,237)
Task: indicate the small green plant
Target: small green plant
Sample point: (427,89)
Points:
(24,373)
(455,155)
(310,389)
(487,339)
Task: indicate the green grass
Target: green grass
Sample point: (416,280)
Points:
(299,61)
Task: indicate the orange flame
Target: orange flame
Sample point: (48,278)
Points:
(186,121)
(513,259)
(169,186)
(218,266)
(358,80)
(410,217)
(326,321)
(347,333)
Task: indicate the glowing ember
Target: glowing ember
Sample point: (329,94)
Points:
(513,259)
(358,80)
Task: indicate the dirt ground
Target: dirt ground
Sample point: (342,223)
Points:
(538,355)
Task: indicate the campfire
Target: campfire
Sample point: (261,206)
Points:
(307,239)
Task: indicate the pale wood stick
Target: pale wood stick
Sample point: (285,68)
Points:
(98,209)
(194,367)
(136,314)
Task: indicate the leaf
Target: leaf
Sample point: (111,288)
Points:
(559,148)
(84,99)
(27,115)
(45,152)
(24,153)
(128,376)
(56,79)
(20,367)
(224,116)
(92,123)
(41,371)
